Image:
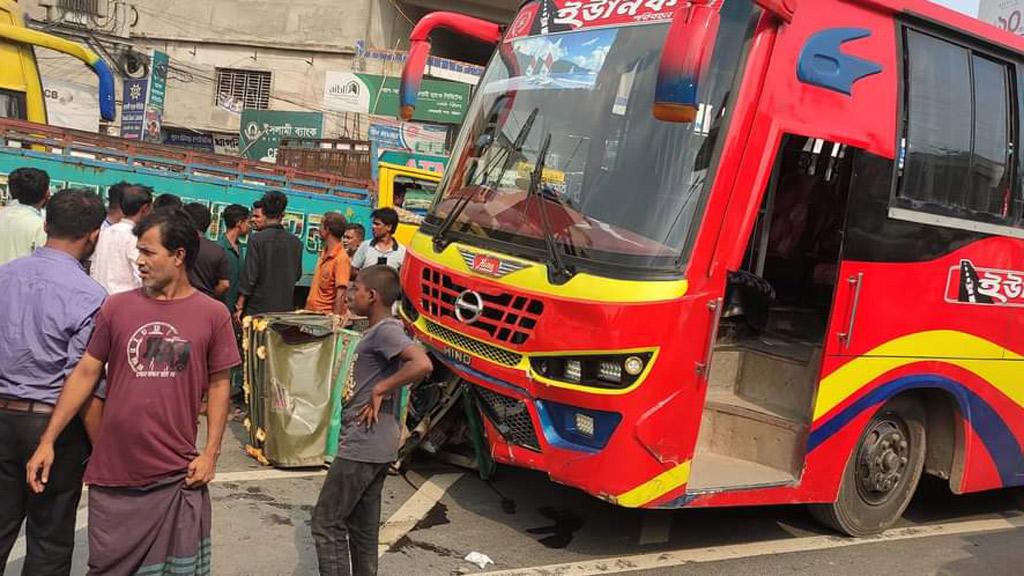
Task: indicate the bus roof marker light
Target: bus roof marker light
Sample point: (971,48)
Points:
(684,58)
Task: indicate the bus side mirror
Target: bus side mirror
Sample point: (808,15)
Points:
(781,9)
(108,112)
(419,50)
(30,37)
(684,59)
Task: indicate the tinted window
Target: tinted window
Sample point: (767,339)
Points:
(957,132)
(990,183)
(12,105)
(939,123)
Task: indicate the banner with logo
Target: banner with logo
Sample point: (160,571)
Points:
(439,100)
(133,107)
(346,92)
(262,130)
(157,94)
(71,104)
(408,136)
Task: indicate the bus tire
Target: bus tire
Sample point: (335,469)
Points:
(882,473)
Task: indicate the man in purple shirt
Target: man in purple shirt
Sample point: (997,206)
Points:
(46,318)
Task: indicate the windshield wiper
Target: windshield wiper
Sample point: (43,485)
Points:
(440,240)
(558,272)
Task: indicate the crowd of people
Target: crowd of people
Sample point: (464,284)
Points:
(119,326)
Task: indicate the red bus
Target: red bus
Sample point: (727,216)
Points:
(735,252)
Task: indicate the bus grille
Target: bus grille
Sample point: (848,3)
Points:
(510,417)
(472,345)
(506,317)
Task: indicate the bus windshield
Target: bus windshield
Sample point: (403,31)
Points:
(619,187)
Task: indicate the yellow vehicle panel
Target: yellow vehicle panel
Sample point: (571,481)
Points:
(415,190)
(18,71)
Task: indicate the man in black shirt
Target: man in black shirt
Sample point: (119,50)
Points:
(273,264)
(210,273)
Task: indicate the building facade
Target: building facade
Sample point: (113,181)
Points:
(230,55)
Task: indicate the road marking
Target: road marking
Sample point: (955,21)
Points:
(415,508)
(266,474)
(672,558)
(18,551)
(82,517)
(656,527)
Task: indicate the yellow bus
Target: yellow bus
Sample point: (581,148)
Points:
(21,90)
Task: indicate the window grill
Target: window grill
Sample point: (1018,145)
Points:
(243,88)
(91,7)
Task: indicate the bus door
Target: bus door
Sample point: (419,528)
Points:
(774,320)
(410,191)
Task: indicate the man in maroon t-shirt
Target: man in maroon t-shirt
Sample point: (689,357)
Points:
(165,345)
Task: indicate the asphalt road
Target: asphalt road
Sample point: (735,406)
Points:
(435,515)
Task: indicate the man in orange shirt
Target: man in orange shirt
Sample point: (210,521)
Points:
(330,280)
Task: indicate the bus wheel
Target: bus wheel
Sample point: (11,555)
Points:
(882,474)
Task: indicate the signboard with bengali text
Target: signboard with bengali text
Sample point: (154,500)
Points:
(439,100)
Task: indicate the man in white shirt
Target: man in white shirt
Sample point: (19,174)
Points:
(382,248)
(113,264)
(114,195)
(21,223)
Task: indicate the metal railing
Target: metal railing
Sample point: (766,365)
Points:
(86,147)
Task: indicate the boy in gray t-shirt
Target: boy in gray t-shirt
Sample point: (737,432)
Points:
(347,514)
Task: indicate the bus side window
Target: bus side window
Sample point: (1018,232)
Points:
(958,135)
(12,105)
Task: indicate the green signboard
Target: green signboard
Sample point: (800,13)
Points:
(261,131)
(154,117)
(439,100)
(158,80)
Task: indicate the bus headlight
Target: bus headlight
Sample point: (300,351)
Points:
(573,371)
(605,371)
(634,365)
(585,424)
(609,371)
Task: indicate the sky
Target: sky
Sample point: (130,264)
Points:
(965,6)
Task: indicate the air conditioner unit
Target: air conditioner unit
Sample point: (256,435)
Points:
(74,11)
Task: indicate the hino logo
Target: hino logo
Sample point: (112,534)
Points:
(458,355)
(468,307)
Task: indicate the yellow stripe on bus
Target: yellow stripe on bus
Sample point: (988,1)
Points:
(988,360)
(656,487)
(533,278)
